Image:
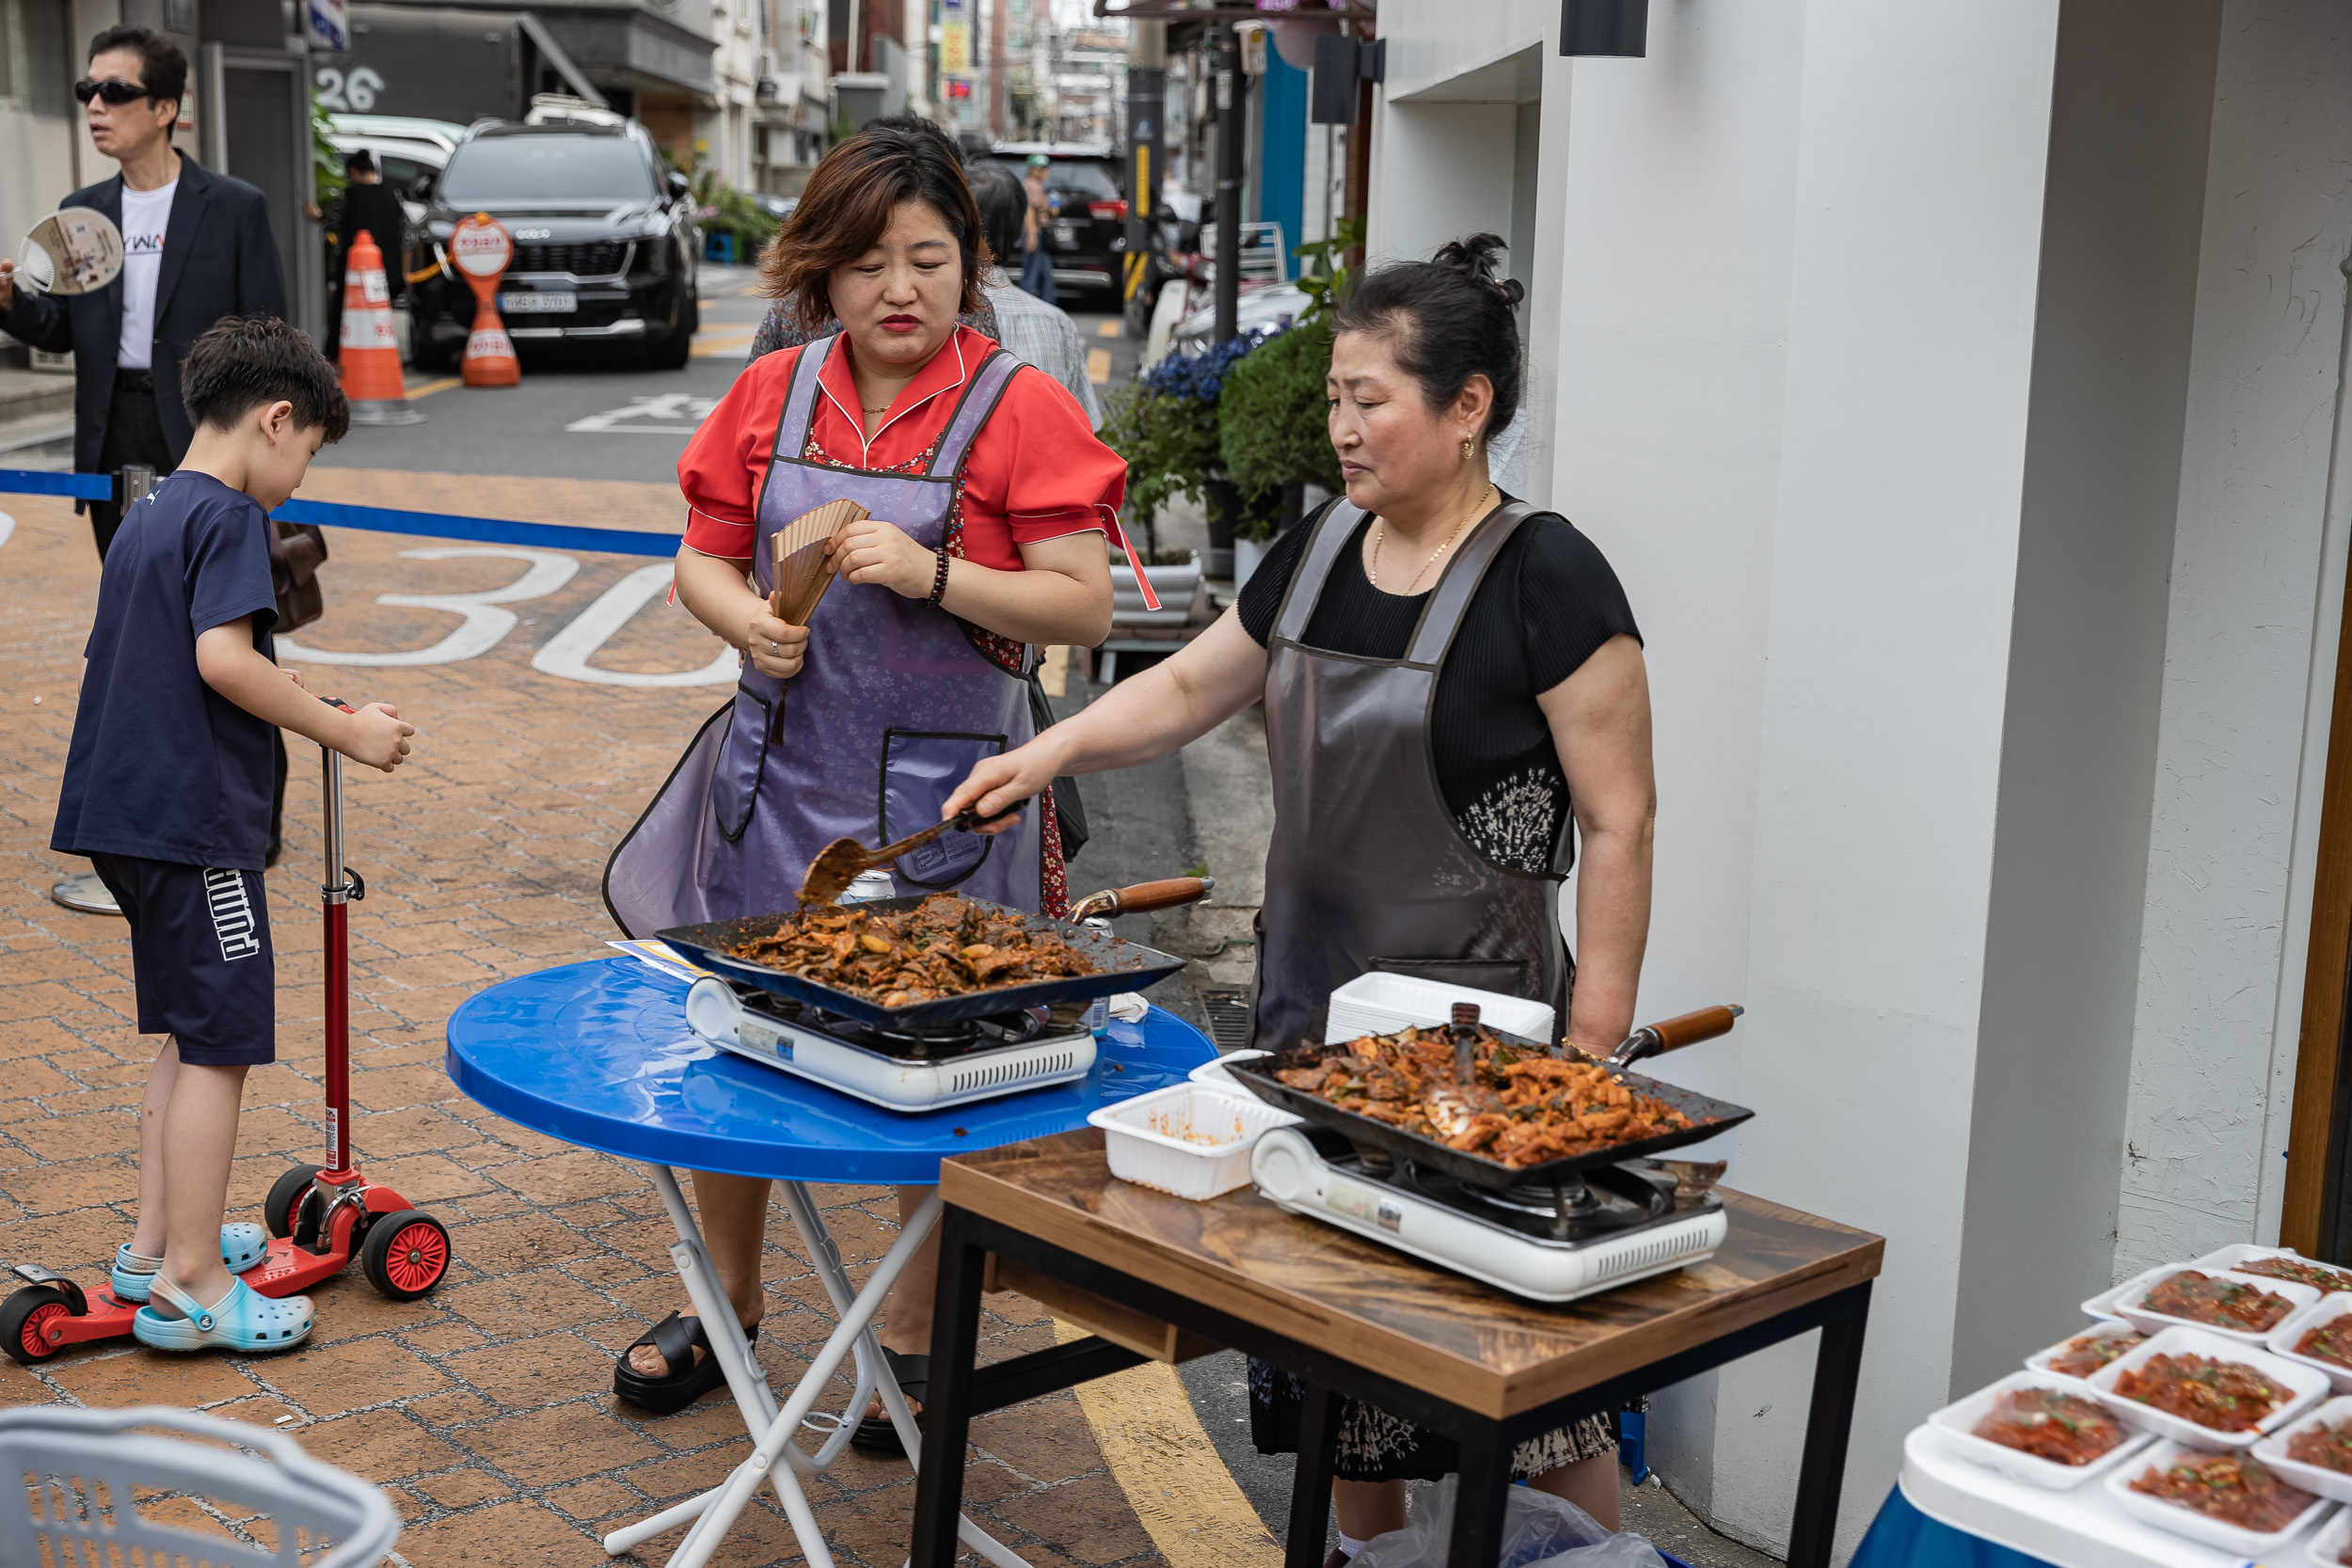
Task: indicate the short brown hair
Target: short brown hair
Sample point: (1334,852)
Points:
(846,207)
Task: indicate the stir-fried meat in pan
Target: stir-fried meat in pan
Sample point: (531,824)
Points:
(1519,1107)
(943,946)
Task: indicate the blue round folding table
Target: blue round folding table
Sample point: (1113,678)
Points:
(598,1054)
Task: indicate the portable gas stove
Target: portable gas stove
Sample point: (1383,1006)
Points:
(926,1068)
(1604,1226)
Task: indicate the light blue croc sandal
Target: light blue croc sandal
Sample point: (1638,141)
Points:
(244,1320)
(241,1245)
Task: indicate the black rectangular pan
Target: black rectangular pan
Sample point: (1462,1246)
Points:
(1118,964)
(1710,1116)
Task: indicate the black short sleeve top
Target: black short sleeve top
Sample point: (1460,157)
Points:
(1546,605)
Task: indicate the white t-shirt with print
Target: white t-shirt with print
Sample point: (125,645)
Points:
(145,216)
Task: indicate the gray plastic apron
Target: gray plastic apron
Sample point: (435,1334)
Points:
(893,706)
(1367,869)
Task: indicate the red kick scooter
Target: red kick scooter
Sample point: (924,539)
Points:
(317,1216)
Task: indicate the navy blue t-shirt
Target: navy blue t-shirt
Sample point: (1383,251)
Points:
(162,766)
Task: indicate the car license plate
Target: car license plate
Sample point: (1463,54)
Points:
(538,305)
(1065,233)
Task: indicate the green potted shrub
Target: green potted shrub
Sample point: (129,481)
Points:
(1165,424)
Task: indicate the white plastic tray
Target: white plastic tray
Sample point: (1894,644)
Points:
(2102,1304)
(1152,1140)
(2272,1450)
(1214,1076)
(2244,1252)
(2307,1384)
(2325,1549)
(2335,1304)
(2196,1526)
(1958,1423)
(2297,1297)
(1380,1003)
(2040,1360)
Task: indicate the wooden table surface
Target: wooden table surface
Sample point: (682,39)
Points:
(1475,1347)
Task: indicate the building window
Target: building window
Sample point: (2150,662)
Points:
(35,69)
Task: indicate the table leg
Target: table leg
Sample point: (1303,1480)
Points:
(1311,1491)
(810,1221)
(1481,1494)
(709,1296)
(947,1413)
(1821,1472)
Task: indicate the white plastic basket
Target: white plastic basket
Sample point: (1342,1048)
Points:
(82,1469)
(1191,1140)
(1381,1003)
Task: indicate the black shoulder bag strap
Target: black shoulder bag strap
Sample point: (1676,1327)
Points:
(1069,813)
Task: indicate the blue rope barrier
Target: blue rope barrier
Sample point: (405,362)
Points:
(378,519)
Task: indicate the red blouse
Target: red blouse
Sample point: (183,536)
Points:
(1035,470)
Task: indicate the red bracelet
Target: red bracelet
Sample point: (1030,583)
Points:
(939,583)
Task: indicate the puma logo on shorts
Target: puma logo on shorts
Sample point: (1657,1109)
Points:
(232,914)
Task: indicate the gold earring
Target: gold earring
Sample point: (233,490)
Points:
(1466,449)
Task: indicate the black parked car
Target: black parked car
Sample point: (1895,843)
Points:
(605,241)
(1089,233)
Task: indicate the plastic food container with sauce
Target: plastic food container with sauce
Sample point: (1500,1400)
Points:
(2102,1304)
(1958,1423)
(2297,1297)
(2040,1360)
(2283,1340)
(2305,1386)
(2238,1253)
(2329,1547)
(1192,1140)
(2335,1486)
(2253,1545)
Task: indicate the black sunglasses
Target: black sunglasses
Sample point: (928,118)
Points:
(117,93)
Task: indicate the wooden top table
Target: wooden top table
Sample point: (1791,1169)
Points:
(1350,1317)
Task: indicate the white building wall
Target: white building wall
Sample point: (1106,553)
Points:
(2241,736)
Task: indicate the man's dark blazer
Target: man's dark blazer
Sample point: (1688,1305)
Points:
(219,260)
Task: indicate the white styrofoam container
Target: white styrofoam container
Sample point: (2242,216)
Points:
(1214,1076)
(2272,1450)
(1958,1423)
(2102,1304)
(2040,1360)
(2335,1304)
(2244,1252)
(2305,1386)
(1381,1003)
(2197,1527)
(1146,1138)
(2326,1550)
(2297,1296)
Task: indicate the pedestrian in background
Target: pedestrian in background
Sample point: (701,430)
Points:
(196,247)
(1030,330)
(374,207)
(1037,262)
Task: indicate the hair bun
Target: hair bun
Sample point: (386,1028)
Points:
(1512,291)
(1473,257)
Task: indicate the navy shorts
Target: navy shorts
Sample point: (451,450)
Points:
(200,957)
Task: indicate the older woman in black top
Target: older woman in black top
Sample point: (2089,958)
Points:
(1451,678)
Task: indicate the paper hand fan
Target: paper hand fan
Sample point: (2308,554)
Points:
(804,567)
(76,250)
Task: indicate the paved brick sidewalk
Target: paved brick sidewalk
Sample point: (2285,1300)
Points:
(485,1409)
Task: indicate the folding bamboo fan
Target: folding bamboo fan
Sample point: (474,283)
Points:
(804,567)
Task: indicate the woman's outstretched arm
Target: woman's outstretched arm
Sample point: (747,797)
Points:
(1213,677)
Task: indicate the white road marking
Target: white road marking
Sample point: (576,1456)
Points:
(683,411)
(7,527)
(483,626)
(566,653)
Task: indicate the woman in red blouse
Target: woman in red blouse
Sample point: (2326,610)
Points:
(990,502)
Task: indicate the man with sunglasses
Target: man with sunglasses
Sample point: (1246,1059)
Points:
(196,247)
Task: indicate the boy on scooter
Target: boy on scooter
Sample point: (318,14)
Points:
(168,783)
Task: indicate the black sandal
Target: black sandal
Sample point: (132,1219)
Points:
(689,1376)
(875,1432)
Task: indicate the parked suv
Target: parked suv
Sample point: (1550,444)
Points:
(605,241)
(1087,235)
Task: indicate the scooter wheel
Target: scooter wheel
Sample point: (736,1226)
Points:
(279,1210)
(25,1321)
(405,1254)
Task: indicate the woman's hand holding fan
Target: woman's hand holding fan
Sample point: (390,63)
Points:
(804,565)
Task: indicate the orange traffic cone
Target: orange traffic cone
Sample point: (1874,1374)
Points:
(482,249)
(370,357)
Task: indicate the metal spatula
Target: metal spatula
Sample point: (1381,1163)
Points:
(837,863)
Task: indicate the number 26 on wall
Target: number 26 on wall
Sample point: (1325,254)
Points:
(352,94)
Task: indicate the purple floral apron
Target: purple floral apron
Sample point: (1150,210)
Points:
(893,706)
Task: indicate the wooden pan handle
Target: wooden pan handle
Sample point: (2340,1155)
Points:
(1691,1028)
(1167,893)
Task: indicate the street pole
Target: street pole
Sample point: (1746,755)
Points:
(1233,121)
(1147,85)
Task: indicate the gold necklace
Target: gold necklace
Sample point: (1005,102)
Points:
(1379,535)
